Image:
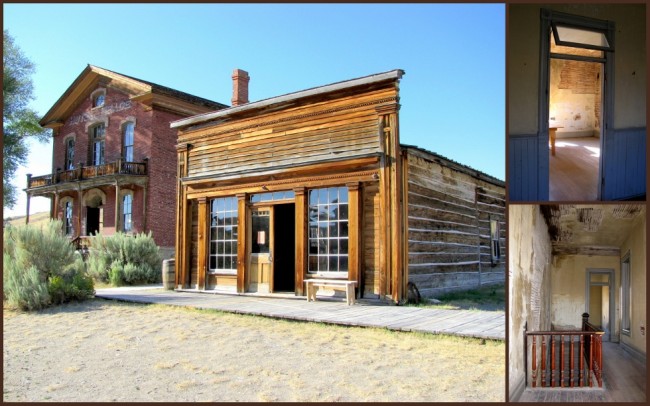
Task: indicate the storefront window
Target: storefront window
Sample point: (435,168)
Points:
(328,230)
(223,234)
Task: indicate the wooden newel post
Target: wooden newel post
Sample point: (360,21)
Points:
(585,320)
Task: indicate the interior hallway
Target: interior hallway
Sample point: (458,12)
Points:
(624,380)
(573,170)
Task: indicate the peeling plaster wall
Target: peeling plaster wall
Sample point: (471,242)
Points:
(568,288)
(529,274)
(636,245)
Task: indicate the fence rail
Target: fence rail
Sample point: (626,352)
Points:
(566,359)
(81,172)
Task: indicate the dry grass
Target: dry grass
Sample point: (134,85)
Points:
(34,219)
(107,351)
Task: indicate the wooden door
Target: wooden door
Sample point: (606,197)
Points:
(261,257)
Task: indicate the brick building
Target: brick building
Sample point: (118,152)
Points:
(114,156)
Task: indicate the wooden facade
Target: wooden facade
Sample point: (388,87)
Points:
(310,184)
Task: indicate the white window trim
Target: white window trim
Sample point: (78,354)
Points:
(125,192)
(94,94)
(62,203)
(65,149)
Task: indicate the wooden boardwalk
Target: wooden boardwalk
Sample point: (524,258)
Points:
(365,313)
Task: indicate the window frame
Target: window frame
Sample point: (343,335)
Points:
(95,141)
(68,216)
(318,243)
(228,207)
(128,148)
(626,296)
(69,151)
(98,98)
(495,241)
(123,213)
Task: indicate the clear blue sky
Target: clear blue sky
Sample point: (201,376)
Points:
(452,95)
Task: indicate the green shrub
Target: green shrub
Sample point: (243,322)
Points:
(41,267)
(125,260)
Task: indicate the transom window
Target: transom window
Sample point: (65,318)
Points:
(223,234)
(68,218)
(270,196)
(98,136)
(127,209)
(328,230)
(69,154)
(127,149)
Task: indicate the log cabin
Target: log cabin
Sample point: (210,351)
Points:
(113,156)
(577,302)
(315,184)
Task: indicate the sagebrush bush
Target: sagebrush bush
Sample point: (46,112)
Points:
(42,267)
(121,259)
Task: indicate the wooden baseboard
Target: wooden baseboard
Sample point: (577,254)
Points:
(634,352)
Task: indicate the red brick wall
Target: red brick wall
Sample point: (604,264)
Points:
(153,139)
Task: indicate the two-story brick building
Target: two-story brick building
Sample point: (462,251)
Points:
(114,156)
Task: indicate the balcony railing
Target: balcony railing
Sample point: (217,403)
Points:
(88,172)
(568,358)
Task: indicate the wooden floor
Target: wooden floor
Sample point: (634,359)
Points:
(364,313)
(573,171)
(624,380)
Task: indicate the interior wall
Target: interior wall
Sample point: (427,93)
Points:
(630,76)
(568,288)
(635,244)
(529,264)
(575,97)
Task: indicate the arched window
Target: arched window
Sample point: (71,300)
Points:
(98,100)
(127,207)
(69,154)
(98,135)
(127,141)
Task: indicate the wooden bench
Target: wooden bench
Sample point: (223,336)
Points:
(348,286)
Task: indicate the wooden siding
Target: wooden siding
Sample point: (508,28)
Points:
(527,179)
(449,245)
(370,239)
(624,164)
(318,132)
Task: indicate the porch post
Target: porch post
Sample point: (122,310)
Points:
(354,232)
(242,249)
(301,239)
(117,206)
(202,243)
(80,214)
(29,179)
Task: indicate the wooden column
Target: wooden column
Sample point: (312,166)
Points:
(301,239)
(202,242)
(354,233)
(242,247)
(183,220)
(391,185)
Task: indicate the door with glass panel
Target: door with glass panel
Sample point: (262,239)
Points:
(261,257)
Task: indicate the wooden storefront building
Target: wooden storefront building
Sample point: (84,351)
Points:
(316,184)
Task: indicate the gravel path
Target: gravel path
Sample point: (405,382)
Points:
(108,351)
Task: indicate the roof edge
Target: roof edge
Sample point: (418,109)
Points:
(201,118)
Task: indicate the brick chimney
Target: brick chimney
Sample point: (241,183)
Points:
(240,80)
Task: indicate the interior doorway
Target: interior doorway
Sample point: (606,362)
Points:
(284,260)
(600,300)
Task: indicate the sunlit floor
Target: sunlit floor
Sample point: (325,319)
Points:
(573,170)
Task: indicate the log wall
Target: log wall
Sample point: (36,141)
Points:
(449,211)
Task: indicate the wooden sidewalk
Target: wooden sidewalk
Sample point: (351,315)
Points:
(365,313)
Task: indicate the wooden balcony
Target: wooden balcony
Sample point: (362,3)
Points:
(565,359)
(82,173)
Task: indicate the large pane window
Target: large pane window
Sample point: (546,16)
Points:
(223,234)
(127,209)
(98,136)
(127,142)
(328,230)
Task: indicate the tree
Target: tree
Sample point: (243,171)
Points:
(19,122)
